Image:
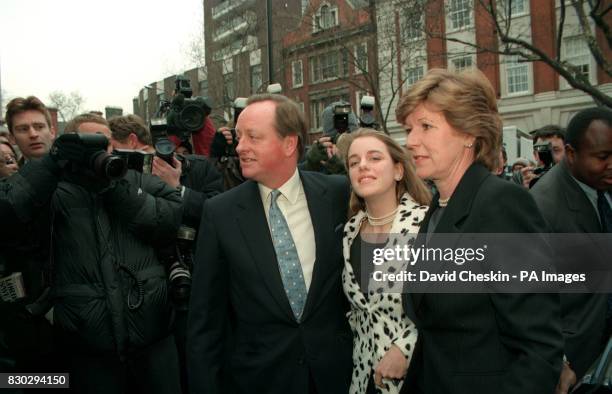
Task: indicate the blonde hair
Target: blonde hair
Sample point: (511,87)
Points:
(410,182)
(468,102)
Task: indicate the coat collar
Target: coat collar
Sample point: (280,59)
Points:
(461,201)
(403,230)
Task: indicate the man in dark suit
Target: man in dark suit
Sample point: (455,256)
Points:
(267,312)
(574,197)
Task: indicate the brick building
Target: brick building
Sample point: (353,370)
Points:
(330,57)
(530,95)
(236,41)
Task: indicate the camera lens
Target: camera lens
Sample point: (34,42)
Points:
(109,166)
(192,117)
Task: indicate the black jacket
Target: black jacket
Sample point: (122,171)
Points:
(486,343)
(201,180)
(241,326)
(109,290)
(567,209)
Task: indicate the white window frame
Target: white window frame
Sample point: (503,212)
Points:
(525,11)
(511,62)
(293,70)
(317,25)
(461,58)
(407,82)
(587,54)
(449,16)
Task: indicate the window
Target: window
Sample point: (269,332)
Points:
(329,68)
(517,7)
(361,58)
(256,78)
(462,63)
(326,17)
(517,75)
(297,73)
(460,13)
(576,52)
(413,74)
(324,67)
(412,24)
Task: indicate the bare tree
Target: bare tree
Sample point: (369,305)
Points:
(592,16)
(68,105)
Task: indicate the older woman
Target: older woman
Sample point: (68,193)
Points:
(8,159)
(487,342)
(387,199)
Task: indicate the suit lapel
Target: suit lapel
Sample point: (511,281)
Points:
(255,230)
(321,215)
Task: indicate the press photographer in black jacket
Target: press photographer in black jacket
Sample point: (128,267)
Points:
(109,291)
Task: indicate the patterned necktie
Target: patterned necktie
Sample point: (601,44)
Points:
(605,212)
(287,257)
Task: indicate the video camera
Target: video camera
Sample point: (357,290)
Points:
(341,117)
(180,117)
(93,155)
(367,118)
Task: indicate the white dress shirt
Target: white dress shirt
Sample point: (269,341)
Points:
(292,203)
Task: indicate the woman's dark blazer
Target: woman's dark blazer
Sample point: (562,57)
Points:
(486,343)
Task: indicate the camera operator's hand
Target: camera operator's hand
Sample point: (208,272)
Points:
(528,175)
(329,146)
(227,133)
(170,175)
(65,148)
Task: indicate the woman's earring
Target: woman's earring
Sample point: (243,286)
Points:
(469,145)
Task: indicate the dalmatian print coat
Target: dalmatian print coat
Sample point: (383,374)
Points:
(379,321)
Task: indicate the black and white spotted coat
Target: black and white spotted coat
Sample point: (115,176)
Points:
(379,321)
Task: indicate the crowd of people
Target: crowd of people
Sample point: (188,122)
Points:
(279,297)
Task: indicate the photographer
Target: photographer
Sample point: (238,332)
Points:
(109,291)
(548,150)
(194,176)
(197,180)
(323,156)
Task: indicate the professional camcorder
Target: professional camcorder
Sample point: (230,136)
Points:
(367,118)
(180,117)
(74,152)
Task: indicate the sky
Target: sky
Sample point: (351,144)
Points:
(105,50)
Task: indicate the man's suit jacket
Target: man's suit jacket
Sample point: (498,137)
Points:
(242,335)
(485,343)
(567,209)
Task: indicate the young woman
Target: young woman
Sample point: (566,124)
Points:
(387,199)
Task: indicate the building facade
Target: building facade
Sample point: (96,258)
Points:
(330,57)
(531,94)
(239,58)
